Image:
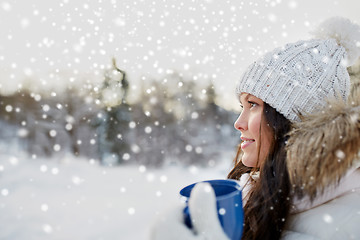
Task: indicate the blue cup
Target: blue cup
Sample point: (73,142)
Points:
(229,206)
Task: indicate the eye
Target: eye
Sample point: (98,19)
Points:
(252,104)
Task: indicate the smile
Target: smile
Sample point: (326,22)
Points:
(246,143)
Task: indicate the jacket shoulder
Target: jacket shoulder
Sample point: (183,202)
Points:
(336,219)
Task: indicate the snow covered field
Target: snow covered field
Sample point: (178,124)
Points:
(78,199)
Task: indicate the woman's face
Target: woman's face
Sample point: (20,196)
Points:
(255,142)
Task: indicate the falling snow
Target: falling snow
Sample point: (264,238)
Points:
(327,218)
(222,211)
(209,39)
(49,50)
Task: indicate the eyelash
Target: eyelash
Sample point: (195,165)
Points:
(252,104)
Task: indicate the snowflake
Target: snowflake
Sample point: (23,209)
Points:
(43,168)
(222,211)
(188,148)
(6,6)
(131,211)
(142,168)
(47,228)
(52,133)
(126,156)
(8,108)
(44,207)
(148,130)
(5,192)
(57,147)
(327,218)
(163,179)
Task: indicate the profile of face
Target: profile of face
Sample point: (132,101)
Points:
(256,134)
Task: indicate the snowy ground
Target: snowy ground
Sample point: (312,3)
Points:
(77,199)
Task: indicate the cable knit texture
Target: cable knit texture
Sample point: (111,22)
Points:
(300,77)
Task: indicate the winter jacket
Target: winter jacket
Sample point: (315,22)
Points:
(323,159)
(334,215)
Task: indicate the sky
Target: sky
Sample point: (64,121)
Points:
(47,45)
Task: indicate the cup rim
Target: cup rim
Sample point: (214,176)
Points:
(225,182)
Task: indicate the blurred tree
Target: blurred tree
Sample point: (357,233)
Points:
(184,123)
(176,121)
(124,83)
(113,134)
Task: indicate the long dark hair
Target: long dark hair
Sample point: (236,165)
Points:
(268,205)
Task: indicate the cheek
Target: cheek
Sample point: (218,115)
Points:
(267,137)
(254,126)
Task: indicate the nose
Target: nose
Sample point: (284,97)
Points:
(241,123)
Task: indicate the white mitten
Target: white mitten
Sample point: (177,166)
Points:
(204,217)
(170,225)
(204,214)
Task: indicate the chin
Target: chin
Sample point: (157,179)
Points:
(248,162)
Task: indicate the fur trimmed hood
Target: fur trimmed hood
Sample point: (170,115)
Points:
(324,145)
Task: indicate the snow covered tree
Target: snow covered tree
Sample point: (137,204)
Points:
(113,124)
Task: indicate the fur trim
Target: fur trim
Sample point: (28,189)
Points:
(346,33)
(323,146)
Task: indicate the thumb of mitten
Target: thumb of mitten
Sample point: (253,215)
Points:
(170,225)
(203,212)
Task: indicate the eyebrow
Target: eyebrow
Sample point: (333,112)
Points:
(245,99)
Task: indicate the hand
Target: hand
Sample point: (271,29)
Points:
(204,217)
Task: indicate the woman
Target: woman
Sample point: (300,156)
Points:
(298,162)
(263,134)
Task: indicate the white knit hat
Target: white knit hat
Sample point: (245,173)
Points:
(301,76)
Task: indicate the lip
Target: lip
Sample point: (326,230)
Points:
(246,139)
(246,142)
